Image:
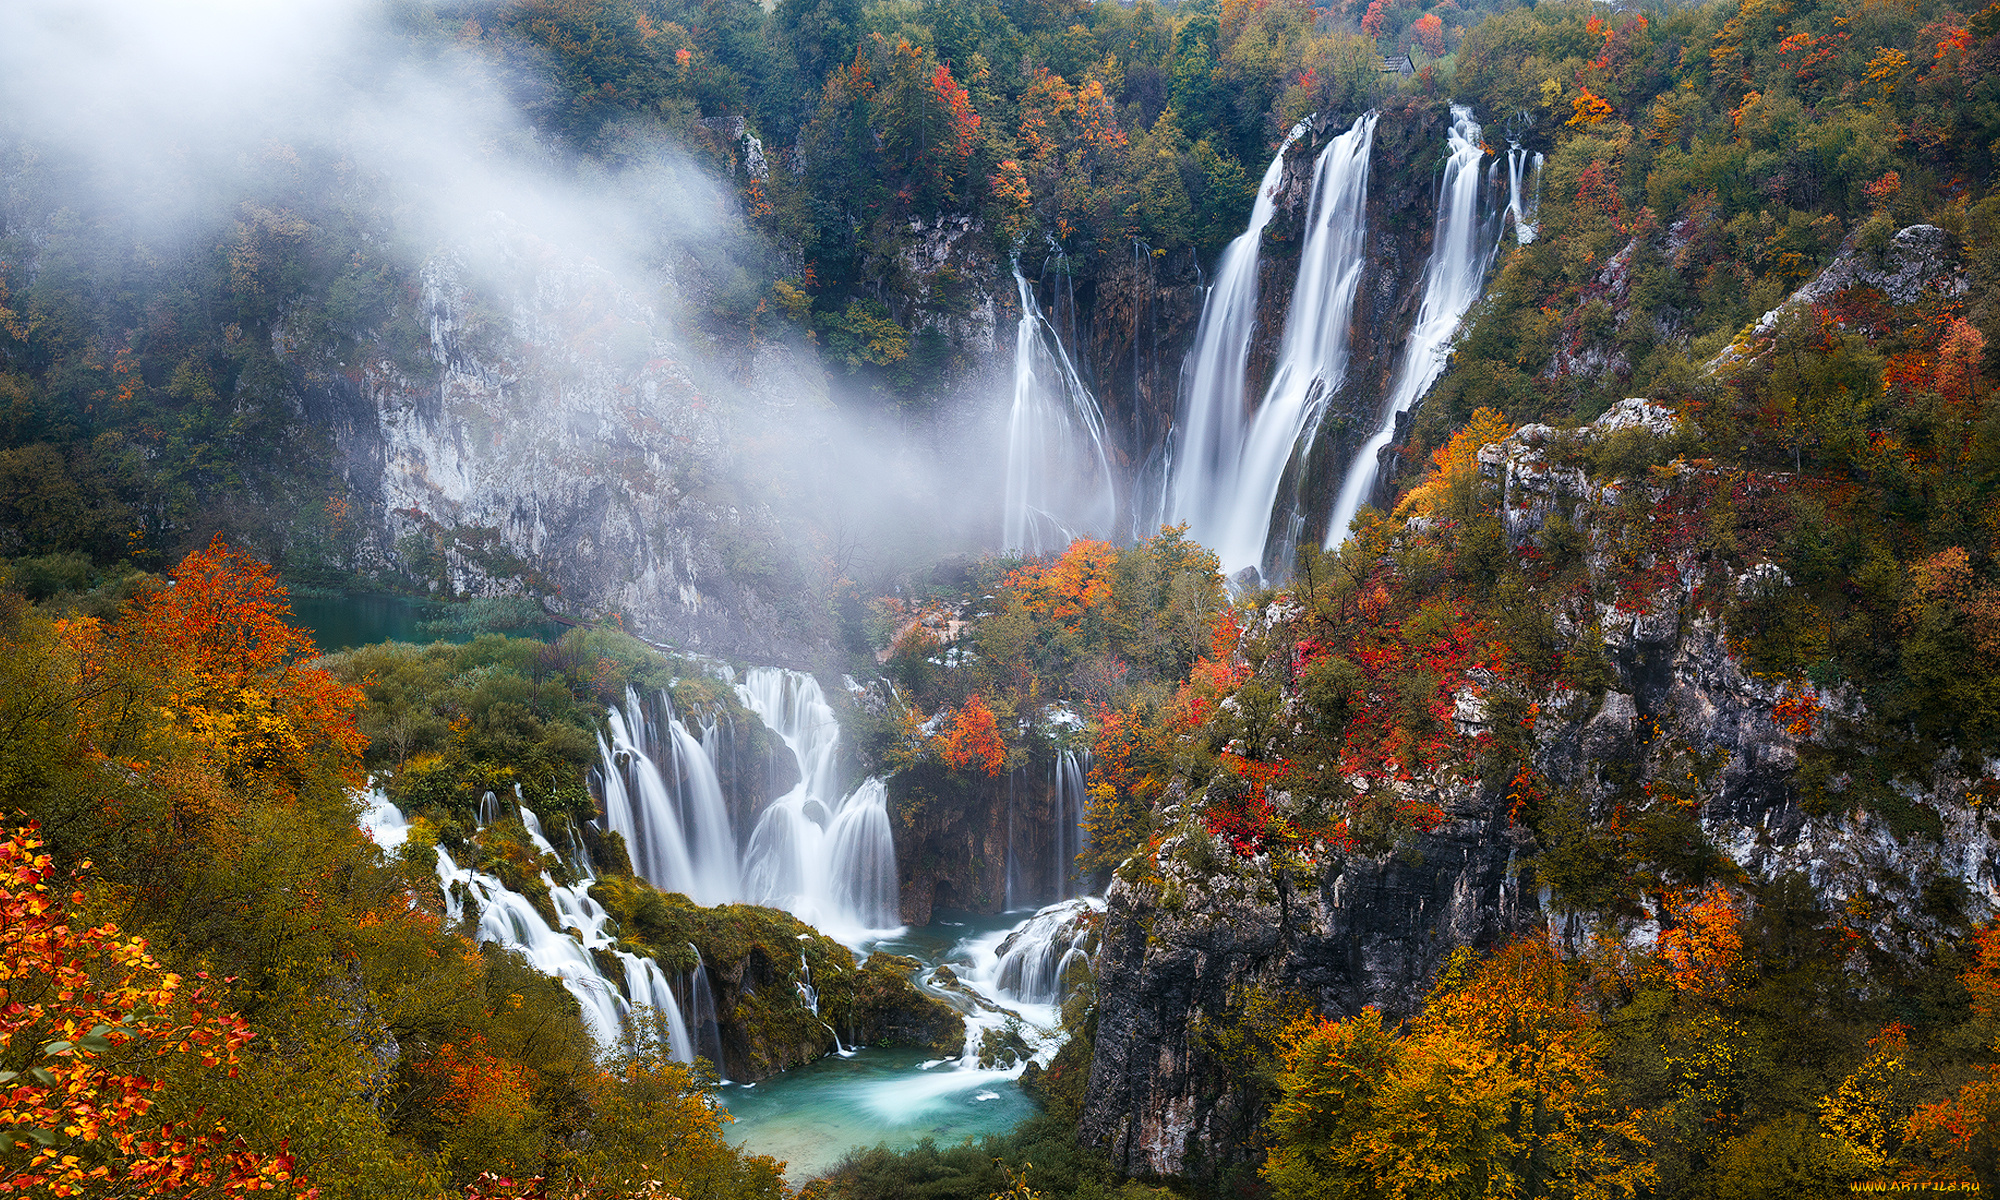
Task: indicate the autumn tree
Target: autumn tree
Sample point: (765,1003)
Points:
(1498,1088)
(1962,1131)
(971,740)
(235,670)
(94,1034)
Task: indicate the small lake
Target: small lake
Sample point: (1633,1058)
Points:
(343,622)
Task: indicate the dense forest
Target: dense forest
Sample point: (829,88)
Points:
(1639,645)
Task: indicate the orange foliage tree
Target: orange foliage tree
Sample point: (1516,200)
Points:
(91,1026)
(1498,1089)
(1962,1132)
(1073,591)
(972,739)
(235,668)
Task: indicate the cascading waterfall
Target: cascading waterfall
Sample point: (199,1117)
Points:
(1059,482)
(705,1025)
(809,996)
(674,822)
(1452,281)
(827,858)
(1208,437)
(1028,963)
(1524,193)
(510,920)
(1312,357)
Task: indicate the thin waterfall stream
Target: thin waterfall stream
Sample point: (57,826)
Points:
(1059,484)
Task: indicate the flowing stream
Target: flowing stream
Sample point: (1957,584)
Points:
(507,918)
(1452,281)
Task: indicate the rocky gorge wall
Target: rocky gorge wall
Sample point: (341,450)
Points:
(1205,932)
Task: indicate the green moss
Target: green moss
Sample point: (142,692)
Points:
(757,958)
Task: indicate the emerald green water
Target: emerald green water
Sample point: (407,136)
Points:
(344,622)
(813,1116)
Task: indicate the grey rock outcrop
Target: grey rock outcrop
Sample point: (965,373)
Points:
(1194,932)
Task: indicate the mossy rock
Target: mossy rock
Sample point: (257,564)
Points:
(890,1010)
(1004,1047)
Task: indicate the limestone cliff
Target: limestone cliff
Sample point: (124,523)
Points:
(1195,930)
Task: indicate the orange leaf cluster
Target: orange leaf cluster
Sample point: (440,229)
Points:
(1071,590)
(1702,945)
(972,739)
(89,1023)
(1798,712)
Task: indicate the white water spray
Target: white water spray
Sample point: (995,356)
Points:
(565,950)
(674,822)
(1312,358)
(1452,281)
(1524,194)
(1059,483)
(827,858)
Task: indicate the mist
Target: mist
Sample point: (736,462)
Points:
(194,129)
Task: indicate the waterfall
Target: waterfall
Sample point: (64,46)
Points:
(1524,193)
(1452,280)
(1214,408)
(706,1027)
(1312,357)
(827,858)
(809,996)
(1058,477)
(675,824)
(1028,962)
(1072,767)
(564,951)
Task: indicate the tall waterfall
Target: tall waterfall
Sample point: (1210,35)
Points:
(1312,358)
(1058,476)
(827,858)
(1214,408)
(1072,768)
(1452,280)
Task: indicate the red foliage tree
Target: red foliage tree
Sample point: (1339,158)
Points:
(1371,21)
(1429,29)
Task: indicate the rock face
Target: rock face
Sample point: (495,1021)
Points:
(1163,1099)
(986,848)
(564,439)
(1202,931)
